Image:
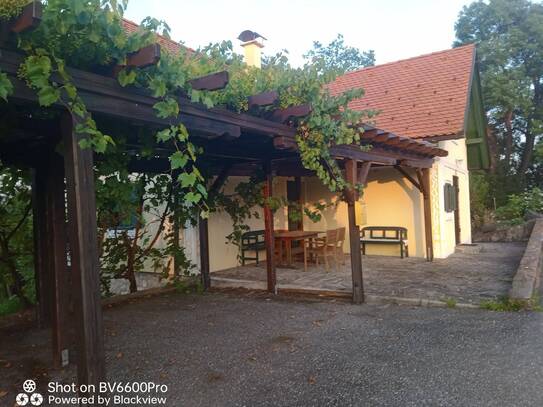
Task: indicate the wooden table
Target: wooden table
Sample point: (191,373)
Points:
(287,237)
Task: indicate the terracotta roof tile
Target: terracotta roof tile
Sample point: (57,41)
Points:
(170,45)
(419,97)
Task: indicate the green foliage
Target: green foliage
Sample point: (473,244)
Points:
(10,305)
(16,261)
(6,87)
(451,302)
(509,38)
(339,57)
(518,204)
(506,304)
(479,193)
(11,8)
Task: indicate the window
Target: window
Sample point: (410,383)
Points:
(450,197)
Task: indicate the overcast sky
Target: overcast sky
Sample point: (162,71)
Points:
(395,29)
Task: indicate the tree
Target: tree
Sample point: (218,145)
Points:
(16,262)
(509,38)
(339,57)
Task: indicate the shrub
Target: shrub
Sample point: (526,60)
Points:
(518,204)
(11,8)
(10,305)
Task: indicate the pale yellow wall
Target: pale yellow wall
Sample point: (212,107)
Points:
(388,200)
(222,255)
(445,168)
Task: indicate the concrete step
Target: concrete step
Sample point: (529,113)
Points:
(471,248)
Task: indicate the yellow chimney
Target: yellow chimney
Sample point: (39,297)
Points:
(253,53)
(252,46)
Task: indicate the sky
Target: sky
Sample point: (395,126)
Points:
(395,29)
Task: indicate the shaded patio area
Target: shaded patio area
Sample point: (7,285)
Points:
(464,277)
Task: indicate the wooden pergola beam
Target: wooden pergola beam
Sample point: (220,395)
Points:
(408,177)
(145,57)
(104,95)
(263,99)
(284,115)
(363,173)
(29,18)
(214,81)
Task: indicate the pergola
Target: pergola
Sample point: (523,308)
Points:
(64,208)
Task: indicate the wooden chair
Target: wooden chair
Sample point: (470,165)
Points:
(324,247)
(339,245)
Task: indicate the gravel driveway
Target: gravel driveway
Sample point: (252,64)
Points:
(250,350)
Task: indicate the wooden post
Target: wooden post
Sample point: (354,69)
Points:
(354,234)
(56,243)
(268,231)
(424,181)
(84,255)
(176,227)
(204,253)
(41,263)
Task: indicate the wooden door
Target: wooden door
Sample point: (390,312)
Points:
(456,210)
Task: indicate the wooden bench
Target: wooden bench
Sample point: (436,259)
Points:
(385,235)
(252,242)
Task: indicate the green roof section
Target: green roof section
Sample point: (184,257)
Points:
(476,142)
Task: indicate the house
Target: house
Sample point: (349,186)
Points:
(435,98)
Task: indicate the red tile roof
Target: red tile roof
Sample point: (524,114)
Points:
(170,45)
(424,96)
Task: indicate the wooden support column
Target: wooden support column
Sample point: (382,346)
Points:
(56,243)
(268,231)
(203,231)
(424,181)
(83,246)
(41,263)
(354,233)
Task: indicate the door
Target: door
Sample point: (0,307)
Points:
(456,210)
(294,195)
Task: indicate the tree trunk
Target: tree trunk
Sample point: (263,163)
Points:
(18,283)
(493,149)
(508,122)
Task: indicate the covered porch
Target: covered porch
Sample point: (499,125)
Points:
(463,278)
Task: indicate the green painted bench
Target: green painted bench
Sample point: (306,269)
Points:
(385,235)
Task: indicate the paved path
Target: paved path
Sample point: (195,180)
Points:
(221,350)
(467,278)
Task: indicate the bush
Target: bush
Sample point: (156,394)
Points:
(518,204)
(479,192)
(11,8)
(10,305)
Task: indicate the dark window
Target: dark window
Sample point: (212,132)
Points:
(450,197)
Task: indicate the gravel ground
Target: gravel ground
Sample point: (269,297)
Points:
(250,350)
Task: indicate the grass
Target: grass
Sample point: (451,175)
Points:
(451,302)
(506,304)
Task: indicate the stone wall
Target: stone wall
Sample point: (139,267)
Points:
(144,281)
(527,279)
(493,233)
